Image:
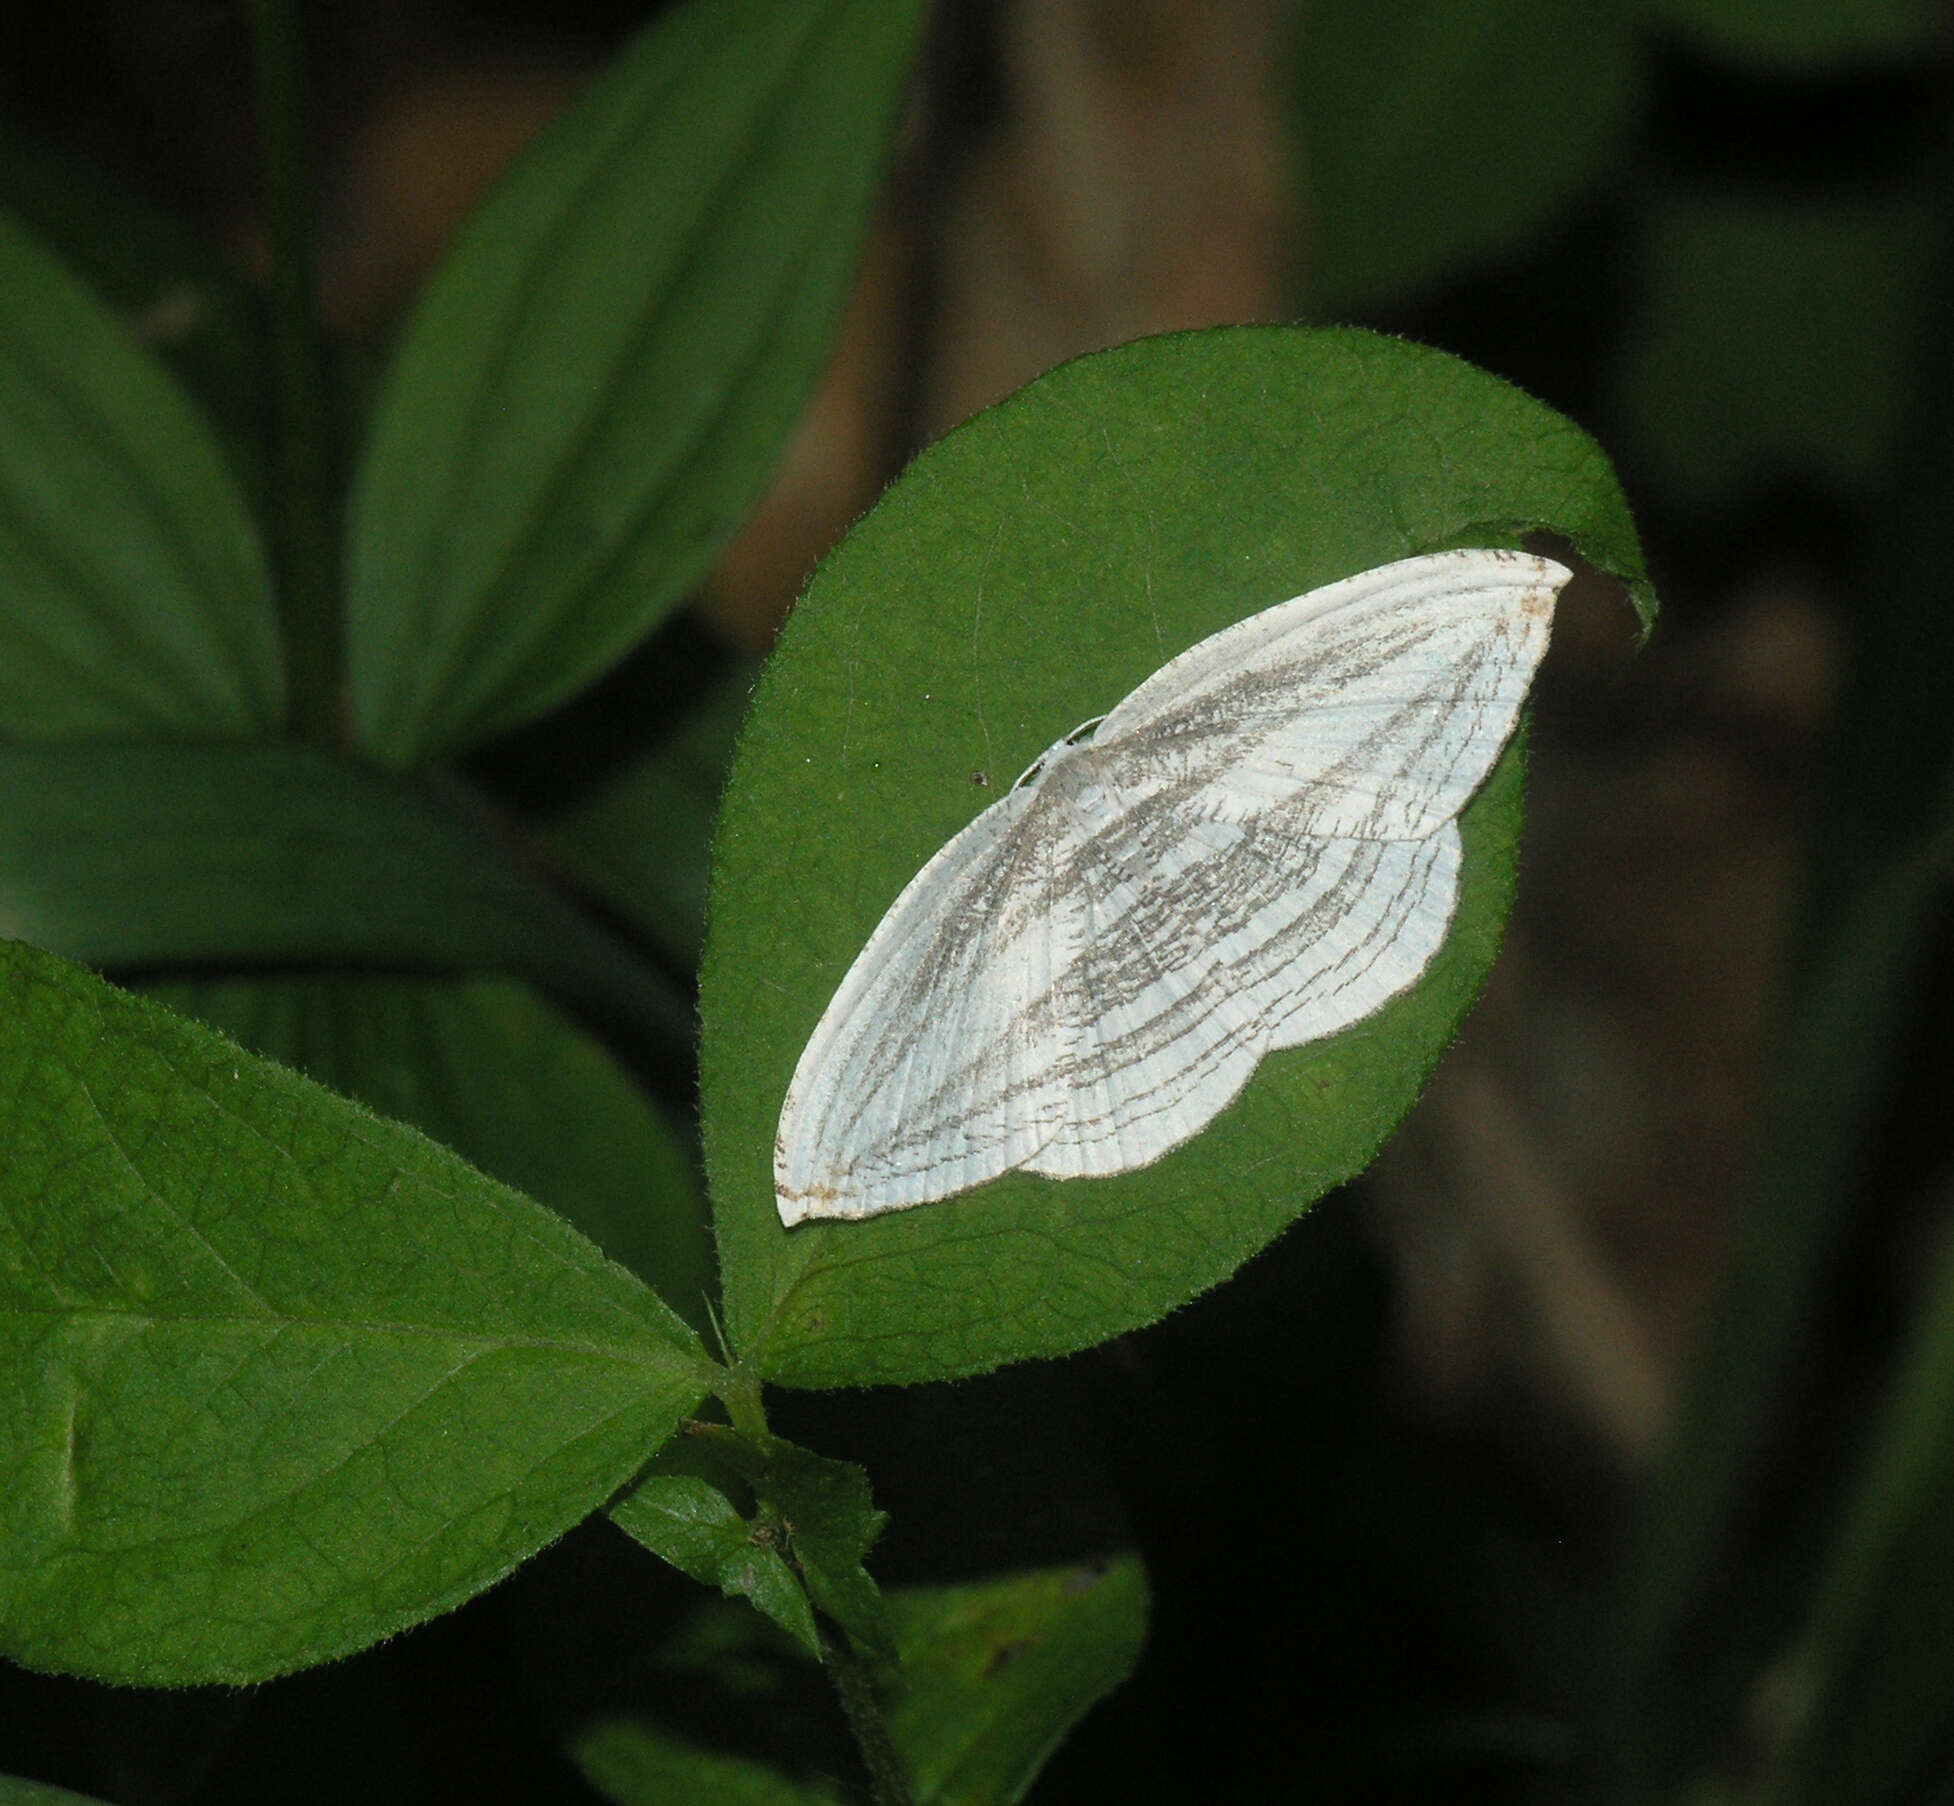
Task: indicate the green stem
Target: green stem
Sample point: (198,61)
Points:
(855,1688)
(303,487)
(739,1392)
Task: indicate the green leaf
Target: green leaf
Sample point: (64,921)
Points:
(724,1676)
(644,840)
(1776,338)
(286,1378)
(688,1520)
(999,1670)
(995,1672)
(1434,134)
(194,313)
(1025,574)
(832,1523)
(15,1791)
(600,376)
(160,854)
(1800,36)
(819,1512)
(638,1763)
(134,594)
(493,1072)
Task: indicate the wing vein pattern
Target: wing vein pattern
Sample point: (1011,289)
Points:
(1255,849)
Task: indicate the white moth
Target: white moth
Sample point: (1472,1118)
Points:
(1257,848)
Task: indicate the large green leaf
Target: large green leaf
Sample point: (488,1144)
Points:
(283,1377)
(126,854)
(1433,134)
(486,1067)
(134,594)
(1024,575)
(600,376)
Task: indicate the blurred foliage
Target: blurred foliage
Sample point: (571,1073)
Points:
(1775,339)
(1759,331)
(1433,135)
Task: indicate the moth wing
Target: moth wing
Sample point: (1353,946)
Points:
(1257,849)
(1212,942)
(1368,708)
(927,1074)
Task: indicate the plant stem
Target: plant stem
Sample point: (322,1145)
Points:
(854,1687)
(739,1392)
(303,477)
